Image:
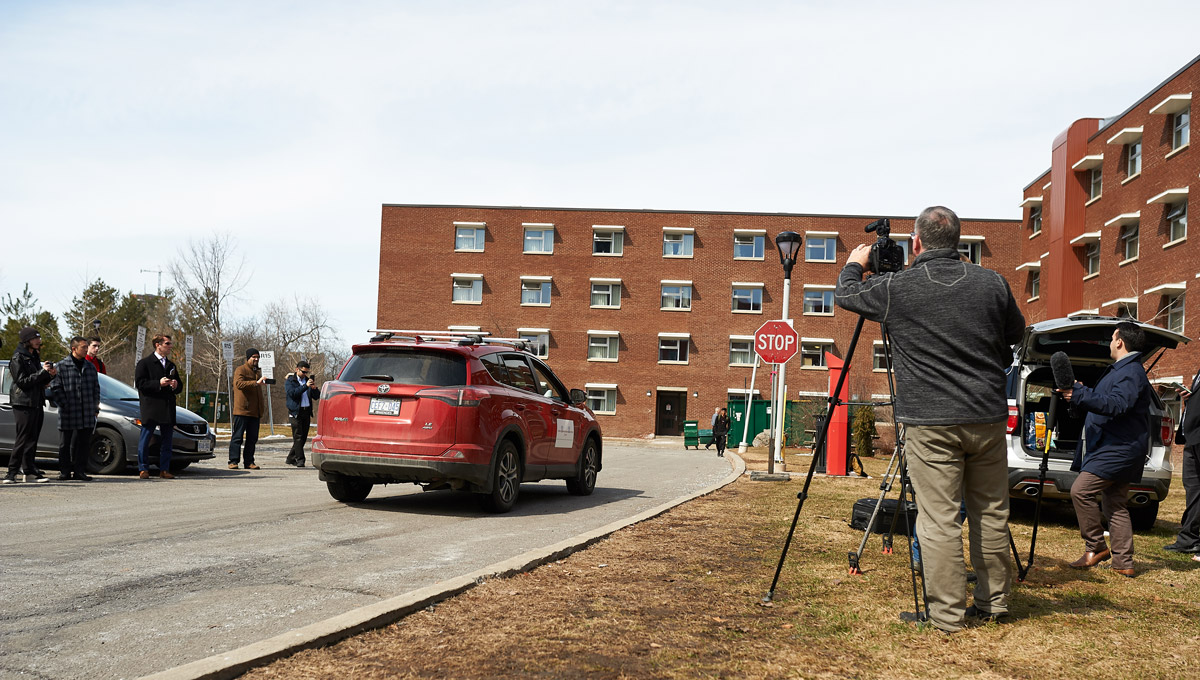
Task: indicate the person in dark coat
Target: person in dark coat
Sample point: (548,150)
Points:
(157,383)
(27,398)
(302,393)
(1188,538)
(1112,451)
(720,429)
(76,391)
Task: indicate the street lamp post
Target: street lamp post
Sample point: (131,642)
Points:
(788,243)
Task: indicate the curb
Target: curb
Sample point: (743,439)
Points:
(237,661)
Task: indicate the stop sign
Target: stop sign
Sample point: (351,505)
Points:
(776,342)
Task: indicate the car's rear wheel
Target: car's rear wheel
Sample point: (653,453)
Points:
(106,454)
(585,482)
(1143,517)
(348,489)
(506,479)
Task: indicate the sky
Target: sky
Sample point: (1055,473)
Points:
(129,127)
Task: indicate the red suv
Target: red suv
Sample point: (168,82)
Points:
(452,411)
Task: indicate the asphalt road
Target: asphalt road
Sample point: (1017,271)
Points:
(122,577)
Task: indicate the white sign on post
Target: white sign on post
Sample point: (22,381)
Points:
(187,354)
(266,361)
(229,370)
(141,343)
(227,349)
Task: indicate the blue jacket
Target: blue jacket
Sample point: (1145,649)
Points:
(1116,431)
(295,390)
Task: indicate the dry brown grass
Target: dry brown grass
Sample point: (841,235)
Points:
(680,596)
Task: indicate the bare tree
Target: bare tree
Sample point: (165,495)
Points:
(208,273)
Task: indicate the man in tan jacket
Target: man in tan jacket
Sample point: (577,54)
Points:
(248,408)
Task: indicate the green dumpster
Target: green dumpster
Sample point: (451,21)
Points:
(691,433)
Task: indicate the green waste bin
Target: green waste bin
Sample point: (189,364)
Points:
(691,433)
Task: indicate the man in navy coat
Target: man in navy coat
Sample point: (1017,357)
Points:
(1112,452)
(157,382)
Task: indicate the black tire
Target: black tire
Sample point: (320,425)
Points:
(506,479)
(180,466)
(584,483)
(106,453)
(1143,518)
(349,489)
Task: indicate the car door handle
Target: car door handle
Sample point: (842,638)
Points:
(555,411)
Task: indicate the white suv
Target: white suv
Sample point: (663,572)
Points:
(1030,388)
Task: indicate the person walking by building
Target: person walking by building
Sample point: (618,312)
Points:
(30,375)
(301,392)
(712,423)
(1112,451)
(946,312)
(1188,538)
(720,431)
(76,391)
(157,383)
(93,355)
(247,411)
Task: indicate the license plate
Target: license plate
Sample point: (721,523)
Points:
(204,445)
(384,407)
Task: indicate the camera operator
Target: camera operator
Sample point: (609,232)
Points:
(302,393)
(951,324)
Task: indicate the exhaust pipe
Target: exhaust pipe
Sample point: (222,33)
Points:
(1031,490)
(1140,499)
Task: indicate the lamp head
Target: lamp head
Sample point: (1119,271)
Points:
(788,243)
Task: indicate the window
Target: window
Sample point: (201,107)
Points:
(539,239)
(1129,240)
(539,340)
(748,299)
(970,250)
(1035,220)
(818,301)
(602,400)
(607,242)
(820,249)
(677,244)
(905,245)
(677,296)
(1035,284)
(519,374)
(1180,125)
(602,347)
(1133,158)
(548,385)
(1127,310)
(812,353)
(879,358)
(1177,221)
(741,351)
(468,238)
(673,350)
(748,246)
(535,292)
(1175,313)
(1097,184)
(1091,256)
(606,295)
(468,290)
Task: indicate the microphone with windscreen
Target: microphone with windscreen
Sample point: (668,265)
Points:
(1064,379)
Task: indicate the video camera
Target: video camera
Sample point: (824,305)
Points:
(886,255)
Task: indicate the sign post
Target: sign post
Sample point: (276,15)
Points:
(266,361)
(776,342)
(227,352)
(187,369)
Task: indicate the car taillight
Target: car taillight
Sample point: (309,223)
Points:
(1168,430)
(334,387)
(1012,419)
(458,396)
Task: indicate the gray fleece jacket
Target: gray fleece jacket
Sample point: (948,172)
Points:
(952,325)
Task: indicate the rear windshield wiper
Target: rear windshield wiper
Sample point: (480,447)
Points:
(131,398)
(380,378)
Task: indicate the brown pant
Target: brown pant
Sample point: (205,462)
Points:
(1113,498)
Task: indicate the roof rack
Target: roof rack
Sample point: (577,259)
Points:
(464,338)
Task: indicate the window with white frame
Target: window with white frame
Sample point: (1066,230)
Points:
(1127,310)
(602,345)
(1129,240)
(608,242)
(468,237)
(747,299)
(879,358)
(1096,183)
(741,351)
(677,296)
(538,339)
(812,353)
(1091,257)
(1175,313)
(673,350)
(606,295)
(1035,284)
(1177,220)
(602,400)
(468,290)
(1180,128)
(535,292)
(905,245)
(539,239)
(820,249)
(818,301)
(1035,220)
(677,244)
(971,251)
(1133,158)
(748,246)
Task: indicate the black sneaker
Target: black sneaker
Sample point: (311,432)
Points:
(974,612)
(1182,548)
(83,478)
(10,479)
(37,479)
(62,477)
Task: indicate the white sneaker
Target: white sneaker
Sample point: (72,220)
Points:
(37,479)
(9,480)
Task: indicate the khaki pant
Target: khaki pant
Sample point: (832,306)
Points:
(949,464)
(1113,498)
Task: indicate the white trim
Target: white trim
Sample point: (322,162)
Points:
(600,386)
(1124,218)
(470,224)
(679,230)
(1126,136)
(599,280)
(1029,265)
(1030,201)
(607,227)
(465,329)
(665,388)
(747,284)
(1167,379)
(818,286)
(533,330)
(751,337)
(540,279)
(823,234)
(1078,312)
(971,239)
(673,282)
(1167,289)
(901,237)
(809,393)
(1117,301)
(1086,238)
(741,391)
(818,341)
(1169,196)
(1095,160)
(608,334)
(1172,104)
(537,225)
(1045,186)
(676,336)
(750,232)
(1044,255)
(478,277)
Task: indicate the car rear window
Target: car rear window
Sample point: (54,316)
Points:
(408,367)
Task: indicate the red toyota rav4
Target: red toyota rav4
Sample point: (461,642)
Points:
(452,411)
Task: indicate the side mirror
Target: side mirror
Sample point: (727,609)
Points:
(578,397)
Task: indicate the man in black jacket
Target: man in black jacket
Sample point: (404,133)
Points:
(157,383)
(27,399)
(1188,538)
(301,393)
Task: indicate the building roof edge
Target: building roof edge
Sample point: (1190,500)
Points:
(677,212)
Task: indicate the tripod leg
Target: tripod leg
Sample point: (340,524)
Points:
(915,562)
(884,487)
